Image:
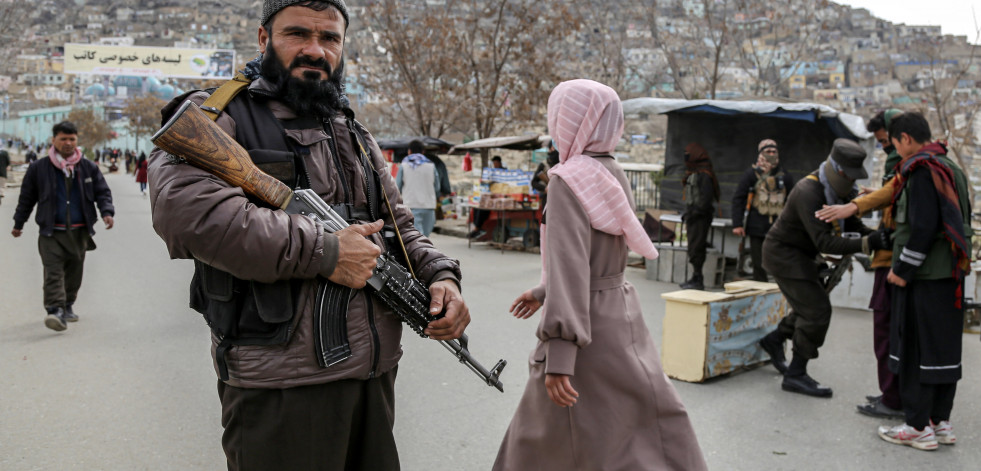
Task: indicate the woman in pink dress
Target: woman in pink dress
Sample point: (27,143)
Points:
(596,398)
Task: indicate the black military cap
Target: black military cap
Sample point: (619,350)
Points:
(849,156)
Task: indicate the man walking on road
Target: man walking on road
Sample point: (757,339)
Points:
(271,285)
(4,163)
(67,188)
(418,181)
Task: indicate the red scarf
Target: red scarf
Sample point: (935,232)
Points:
(950,209)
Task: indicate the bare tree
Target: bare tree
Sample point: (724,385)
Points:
(718,37)
(605,39)
(471,66)
(93,129)
(694,43)
(952,113)
(143,116)
(509,49)
(417,73)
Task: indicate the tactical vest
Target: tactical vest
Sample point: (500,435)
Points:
(692,192)
(769,194)
(246,312)
(939,261)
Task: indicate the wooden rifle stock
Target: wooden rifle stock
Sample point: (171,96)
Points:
(191,135)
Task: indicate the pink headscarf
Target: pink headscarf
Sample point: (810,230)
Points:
(66,165)
(584,115)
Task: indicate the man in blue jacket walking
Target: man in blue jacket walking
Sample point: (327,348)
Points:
(66,188)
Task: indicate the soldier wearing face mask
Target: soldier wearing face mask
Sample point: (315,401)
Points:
(759,199)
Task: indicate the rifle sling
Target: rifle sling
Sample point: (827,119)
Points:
(223,95)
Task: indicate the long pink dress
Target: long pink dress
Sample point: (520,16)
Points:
(628,415)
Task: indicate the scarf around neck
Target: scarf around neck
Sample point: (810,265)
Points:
(415,160)
(834,184)
(65,165)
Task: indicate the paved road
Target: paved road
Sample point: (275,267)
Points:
(131,387)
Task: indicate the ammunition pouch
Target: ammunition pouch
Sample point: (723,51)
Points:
(242,312)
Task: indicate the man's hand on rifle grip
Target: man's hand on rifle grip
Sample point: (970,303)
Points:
(356,255)
(456,315)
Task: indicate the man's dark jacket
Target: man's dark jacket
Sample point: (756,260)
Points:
(756,225)
(797,237)
(40,186)
(4,163)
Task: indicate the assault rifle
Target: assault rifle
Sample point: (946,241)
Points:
(832,276)
(192,136)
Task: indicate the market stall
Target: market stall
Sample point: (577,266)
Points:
(397,149)
(503,204)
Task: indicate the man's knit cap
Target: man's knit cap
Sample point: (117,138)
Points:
(271,7)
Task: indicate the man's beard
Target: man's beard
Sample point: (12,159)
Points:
(308,95)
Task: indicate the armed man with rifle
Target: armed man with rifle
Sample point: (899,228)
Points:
(307,359)
(758,200)
(790,251)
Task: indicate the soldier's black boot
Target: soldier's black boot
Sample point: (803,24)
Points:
(772,344)
(797,380)
(696,282)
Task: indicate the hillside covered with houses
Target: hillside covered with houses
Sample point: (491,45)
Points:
(816,51)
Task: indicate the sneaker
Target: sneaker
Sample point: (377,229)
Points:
(907,435)
(55,320)
(69,315)
(944,432)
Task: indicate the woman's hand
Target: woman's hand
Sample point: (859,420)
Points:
(560,389)
(525,305)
